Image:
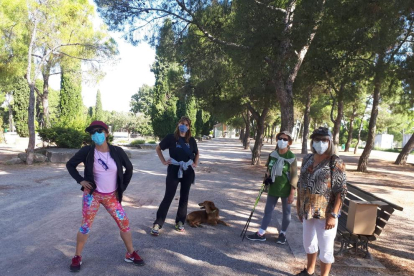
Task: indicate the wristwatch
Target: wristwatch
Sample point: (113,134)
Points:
(335,215)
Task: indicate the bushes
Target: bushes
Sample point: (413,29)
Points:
(64,137)
(137,142)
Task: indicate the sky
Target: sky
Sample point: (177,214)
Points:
(121,80)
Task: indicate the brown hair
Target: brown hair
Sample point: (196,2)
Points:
(188,133)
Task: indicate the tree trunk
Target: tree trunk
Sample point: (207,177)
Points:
(306,123)
(359,134)
(379,77)
(351,127)
(32,134)
(272,134)
(338,119)
(45,97)
(286,112)
(259,134)
(247,134)
(242,135)
(10,115)
(402,157)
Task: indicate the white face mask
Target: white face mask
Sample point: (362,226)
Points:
(282,144)
(320,147)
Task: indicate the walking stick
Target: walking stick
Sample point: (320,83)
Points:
(244,231)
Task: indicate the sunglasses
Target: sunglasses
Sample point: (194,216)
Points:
(103,164)
(284,139)
(99,130)
(321,140)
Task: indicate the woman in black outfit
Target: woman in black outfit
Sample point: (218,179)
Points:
(183,158)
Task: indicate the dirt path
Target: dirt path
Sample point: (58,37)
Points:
(41,211)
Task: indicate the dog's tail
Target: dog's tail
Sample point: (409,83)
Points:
(222,222)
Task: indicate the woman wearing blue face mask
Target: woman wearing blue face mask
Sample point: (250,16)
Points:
(282,177)
(184,157)
(321,191)
(103,182)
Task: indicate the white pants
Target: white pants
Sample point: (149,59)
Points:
(315,236)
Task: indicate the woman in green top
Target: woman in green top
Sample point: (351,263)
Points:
(282,176)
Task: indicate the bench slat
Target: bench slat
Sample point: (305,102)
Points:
(385,216)
(359,190)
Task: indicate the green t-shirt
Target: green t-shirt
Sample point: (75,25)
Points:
(281,187)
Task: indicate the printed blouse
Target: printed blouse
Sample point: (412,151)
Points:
(316,193)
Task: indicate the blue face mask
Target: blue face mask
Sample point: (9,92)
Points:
(98,138)
(183,128)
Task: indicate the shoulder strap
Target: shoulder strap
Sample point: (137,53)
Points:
(332,164)
(304,161)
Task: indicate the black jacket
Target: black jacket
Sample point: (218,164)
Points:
(86,156)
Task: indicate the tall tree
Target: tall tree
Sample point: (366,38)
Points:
(98,107)
(141,102)
(392,32)
(290,27)
(71,103)
(20,106)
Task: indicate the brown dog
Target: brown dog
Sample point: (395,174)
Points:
(209,215)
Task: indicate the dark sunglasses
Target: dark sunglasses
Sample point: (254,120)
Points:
(103,164)
(321,139)
(284,139)
(99,130)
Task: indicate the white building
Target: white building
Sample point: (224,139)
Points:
(406,137)
(224,131)
(384,141)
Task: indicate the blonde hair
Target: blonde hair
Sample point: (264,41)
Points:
(188,133)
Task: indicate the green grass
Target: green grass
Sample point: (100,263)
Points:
(152,142)
(391,150)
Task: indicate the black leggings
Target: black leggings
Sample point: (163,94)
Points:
(171,187)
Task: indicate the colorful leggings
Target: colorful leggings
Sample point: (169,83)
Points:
(90,207)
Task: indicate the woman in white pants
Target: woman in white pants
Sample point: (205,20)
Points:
(321,192)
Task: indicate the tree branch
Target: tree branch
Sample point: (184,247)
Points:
(333,106)
(407,35)
(207,34)
(270,7)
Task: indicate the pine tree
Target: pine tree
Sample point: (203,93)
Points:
(98,107)
(71,103)
(20,107)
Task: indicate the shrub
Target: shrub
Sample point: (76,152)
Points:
(64,137)
(152,142)
(137,142)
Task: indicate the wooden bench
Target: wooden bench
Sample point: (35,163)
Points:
(359,243)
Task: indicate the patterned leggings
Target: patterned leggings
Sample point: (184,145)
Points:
(90,207)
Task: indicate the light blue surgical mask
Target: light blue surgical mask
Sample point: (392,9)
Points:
(98,138)
(183,128)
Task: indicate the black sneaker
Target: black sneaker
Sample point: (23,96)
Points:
(304,272)
(256,237)
(281,239)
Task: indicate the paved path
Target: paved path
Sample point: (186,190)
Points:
(40,209)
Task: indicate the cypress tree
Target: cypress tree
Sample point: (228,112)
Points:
(98,107)
(71,103)
(20,106)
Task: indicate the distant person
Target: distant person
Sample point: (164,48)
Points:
(321,192)
(184,157)
(104,182)
(282,176)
